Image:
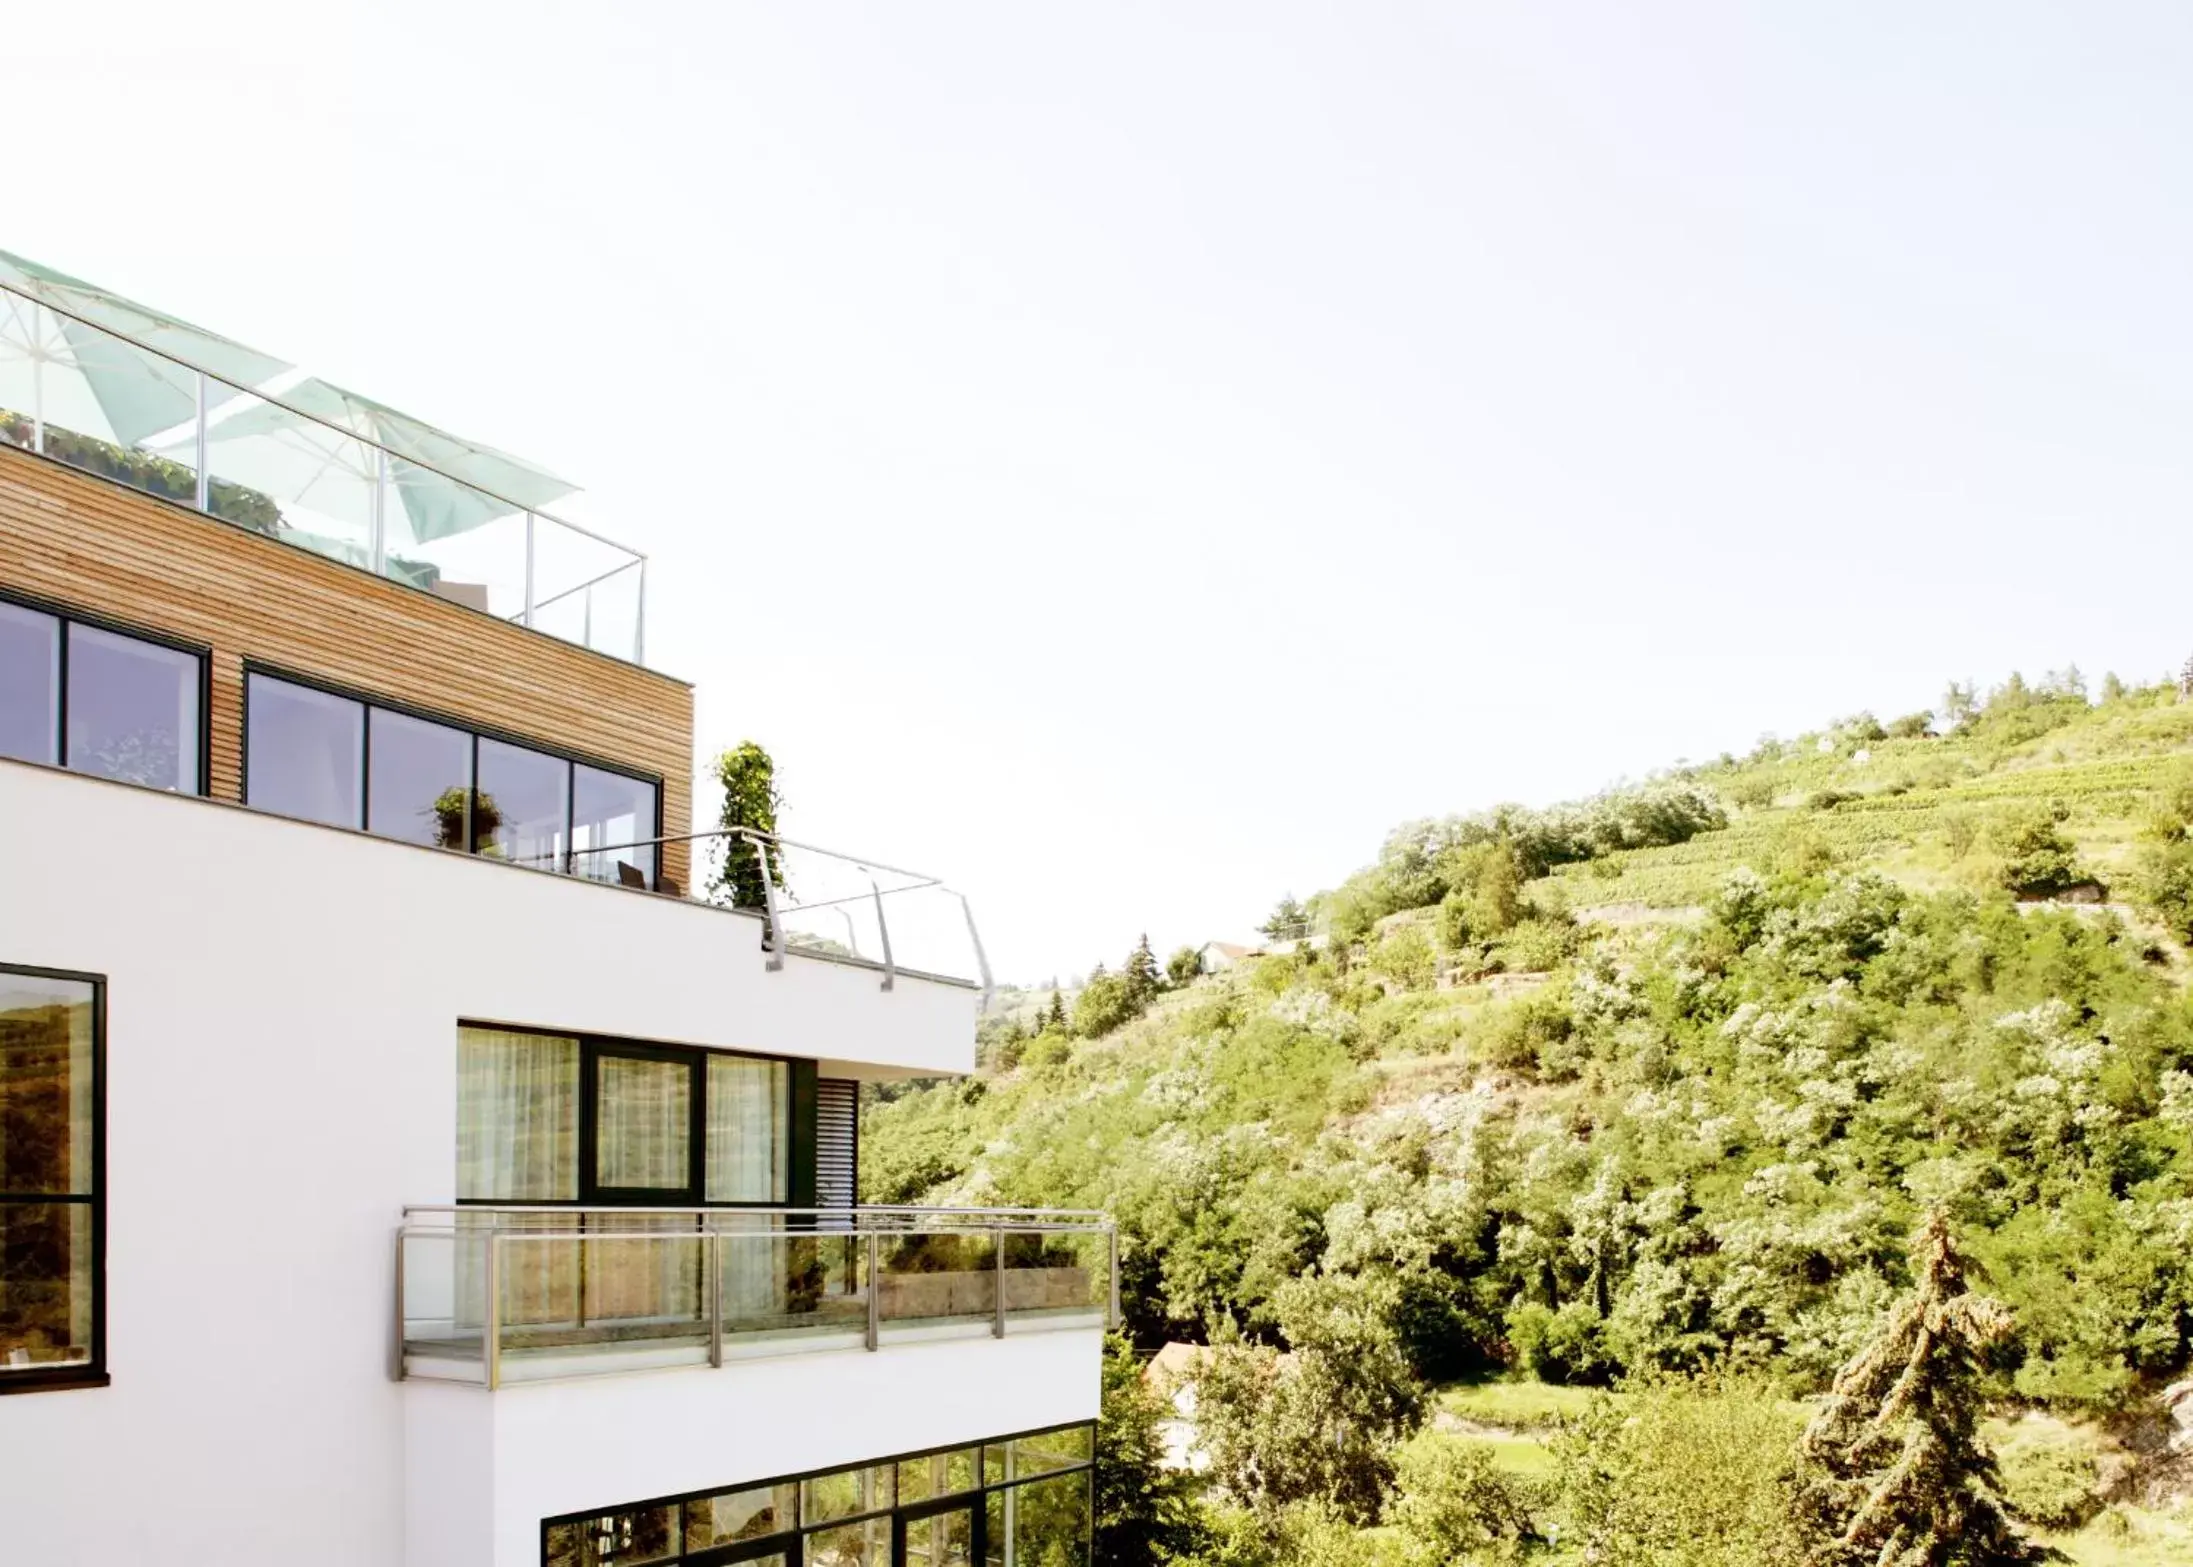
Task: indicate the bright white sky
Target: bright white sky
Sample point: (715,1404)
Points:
(1128,457)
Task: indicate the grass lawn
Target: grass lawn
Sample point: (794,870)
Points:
(2132,1537)
(1515,1406)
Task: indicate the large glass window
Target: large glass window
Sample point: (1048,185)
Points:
(611,817)
(524,808)
(343,761)
(418,780)
(133,710)
(749,1155)
(49,1175)
(527,1130)
(933,1509)
(517,1116)
(98,701)
(30,685)
(643,1123)
(304,752)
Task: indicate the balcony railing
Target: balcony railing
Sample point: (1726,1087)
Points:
(501,1294)
(817,901)
(298,460)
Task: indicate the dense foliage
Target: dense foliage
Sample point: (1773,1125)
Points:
(1474,1127)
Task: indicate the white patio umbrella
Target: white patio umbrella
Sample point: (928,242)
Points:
(321,449)
(74,357)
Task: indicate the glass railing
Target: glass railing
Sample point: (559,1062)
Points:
(314,467)
(495,1294)
(819,902)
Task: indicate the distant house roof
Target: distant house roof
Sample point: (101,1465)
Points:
(1175,1364)
(1230,950)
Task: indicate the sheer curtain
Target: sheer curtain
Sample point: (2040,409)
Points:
(518,1142)
(749,1154)
(643,1124)
(517,1116)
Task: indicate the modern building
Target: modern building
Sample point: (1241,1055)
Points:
(400,1163)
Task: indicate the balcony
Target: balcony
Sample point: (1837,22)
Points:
(122,391)
(498,1295)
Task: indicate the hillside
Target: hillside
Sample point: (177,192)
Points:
(1659,1083)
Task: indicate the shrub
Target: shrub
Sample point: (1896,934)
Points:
(1702,1473)
(2037,858)
(1537,945)
(1455,1505)
(1404,955)
(1564,1346)
(2049,1477)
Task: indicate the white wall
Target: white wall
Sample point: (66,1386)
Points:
(282,1008)
(565,1447)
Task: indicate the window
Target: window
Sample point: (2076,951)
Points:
(304,752)
(554,1118)
(868,1515)
(749,1155)
(345,761)
(418,780)
(517,1116)
(524,808)
(51,1221)
(30,685)
(99,701)
(610,815)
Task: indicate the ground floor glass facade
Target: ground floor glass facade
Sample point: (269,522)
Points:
(1020,1501)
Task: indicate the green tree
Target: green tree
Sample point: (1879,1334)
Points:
(1103,1004)
(1897,1474)
(1455,1504)
(1145,1513)
(1183,966)
(2037,857)
(1287,921)
(750,799)
(1320,1423)
(1054,1016)
(1141,974)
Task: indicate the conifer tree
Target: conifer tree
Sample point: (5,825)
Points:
(1141,974)
(1899,1477)
(1056,1017)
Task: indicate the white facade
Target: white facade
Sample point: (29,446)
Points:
(281,1038)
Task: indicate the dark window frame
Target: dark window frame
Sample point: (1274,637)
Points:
(476,732)
(70,615)
(591,1049)
(791,1541)
(94,1372)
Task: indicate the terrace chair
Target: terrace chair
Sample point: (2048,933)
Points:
(630,876)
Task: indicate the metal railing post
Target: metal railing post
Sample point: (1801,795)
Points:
(715,1298)
(1112,1236)
(639,620)
(997,1325)
(527,618)
(378,551)
(205,479)
(38,379)
(761,847)
(875,1291)
(883,928)
(982,958)
(396,1363)
(491,1350)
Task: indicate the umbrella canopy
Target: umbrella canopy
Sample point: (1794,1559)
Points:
(316,448)
(72,355)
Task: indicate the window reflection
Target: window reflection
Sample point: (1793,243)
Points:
(48,1166)
(133,710)
(523,805)
(304,751)
(419,780)
(30,685)
(611,815)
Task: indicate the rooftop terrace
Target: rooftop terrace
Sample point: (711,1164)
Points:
(121,390)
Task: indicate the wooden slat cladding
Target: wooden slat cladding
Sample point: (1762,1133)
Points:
(96,546)
(837,1142)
